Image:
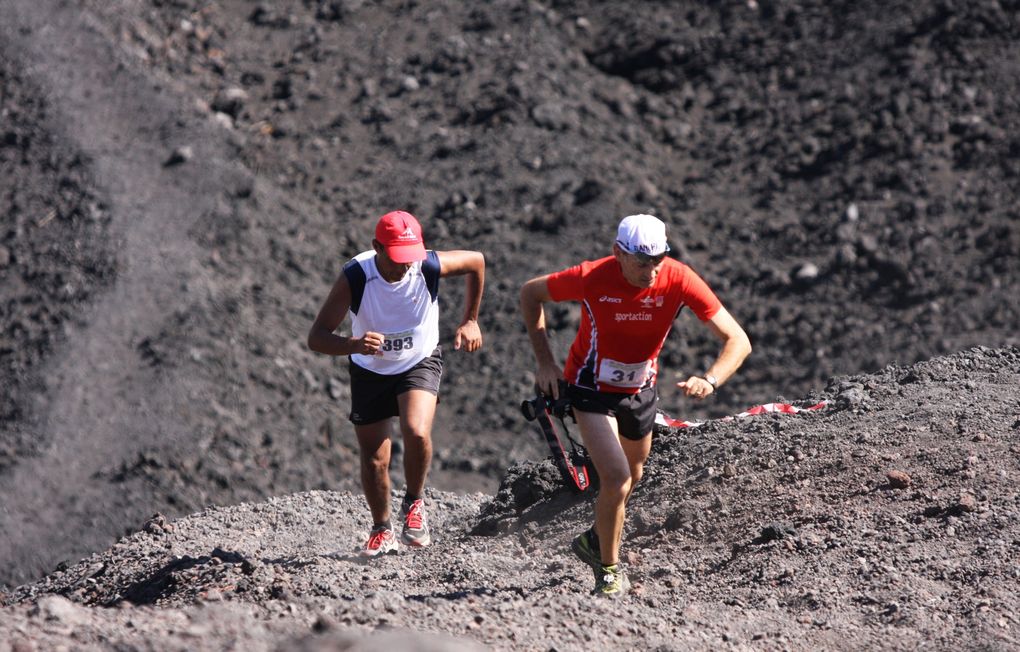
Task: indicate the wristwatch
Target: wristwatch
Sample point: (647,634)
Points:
(711,380)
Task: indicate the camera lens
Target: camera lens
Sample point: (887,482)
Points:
(529,409)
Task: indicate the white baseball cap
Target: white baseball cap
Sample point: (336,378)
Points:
(642,234)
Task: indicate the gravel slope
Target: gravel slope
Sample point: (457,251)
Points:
(844,174)
(769,532)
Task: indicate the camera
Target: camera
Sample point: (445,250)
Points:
(533,407)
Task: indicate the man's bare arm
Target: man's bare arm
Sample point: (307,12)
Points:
(534,293)
(736,348)
(321,336)
(470,264)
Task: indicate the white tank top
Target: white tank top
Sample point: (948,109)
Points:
(405,312)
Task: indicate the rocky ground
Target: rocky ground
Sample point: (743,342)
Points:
(888,520)
(181,181)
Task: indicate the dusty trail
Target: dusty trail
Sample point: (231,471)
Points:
(771,532)
(52,503)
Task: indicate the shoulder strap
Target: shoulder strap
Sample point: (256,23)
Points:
(355,274)
(430,269)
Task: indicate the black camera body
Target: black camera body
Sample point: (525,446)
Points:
(533,407)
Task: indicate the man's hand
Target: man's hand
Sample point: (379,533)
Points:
(368,344)
(696,386)
(547,379)
(469,335)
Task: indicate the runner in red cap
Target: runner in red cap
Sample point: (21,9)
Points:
(396,362)
(629,301)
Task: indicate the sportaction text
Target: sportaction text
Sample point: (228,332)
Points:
(633,316)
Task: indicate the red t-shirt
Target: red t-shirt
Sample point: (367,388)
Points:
(623,327)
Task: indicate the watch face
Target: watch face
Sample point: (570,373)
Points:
(711,380)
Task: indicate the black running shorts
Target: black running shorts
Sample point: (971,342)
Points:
(374,396)
(635,413)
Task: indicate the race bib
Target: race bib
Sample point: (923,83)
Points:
(396,345)
(624,374)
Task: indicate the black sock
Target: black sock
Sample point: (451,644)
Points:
(410,498)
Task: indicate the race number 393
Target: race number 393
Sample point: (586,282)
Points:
(396,345)
(624,374)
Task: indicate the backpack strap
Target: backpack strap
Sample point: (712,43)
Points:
(355,274)
(430,269)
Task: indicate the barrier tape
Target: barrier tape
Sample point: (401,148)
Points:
(664,419)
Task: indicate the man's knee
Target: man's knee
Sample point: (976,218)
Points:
(616,482)
(635,474)
(416,429)
(376,464)
(416,433)
(377,459)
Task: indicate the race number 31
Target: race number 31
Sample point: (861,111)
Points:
(623,374)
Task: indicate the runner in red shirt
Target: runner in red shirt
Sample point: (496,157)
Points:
(629,301)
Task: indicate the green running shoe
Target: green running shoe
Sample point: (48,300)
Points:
(611,581)
(586,547)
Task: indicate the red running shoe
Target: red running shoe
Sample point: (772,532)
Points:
(416,528)
(380,542)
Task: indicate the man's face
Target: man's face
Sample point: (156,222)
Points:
(390,270)
(640,270)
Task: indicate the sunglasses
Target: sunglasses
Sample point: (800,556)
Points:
(643,259)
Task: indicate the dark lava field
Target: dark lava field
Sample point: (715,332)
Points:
(180,182)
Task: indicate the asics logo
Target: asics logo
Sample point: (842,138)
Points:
(608,299)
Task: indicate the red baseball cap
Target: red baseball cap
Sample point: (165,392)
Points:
(400,234)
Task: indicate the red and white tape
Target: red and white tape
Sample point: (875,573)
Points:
(781,408)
